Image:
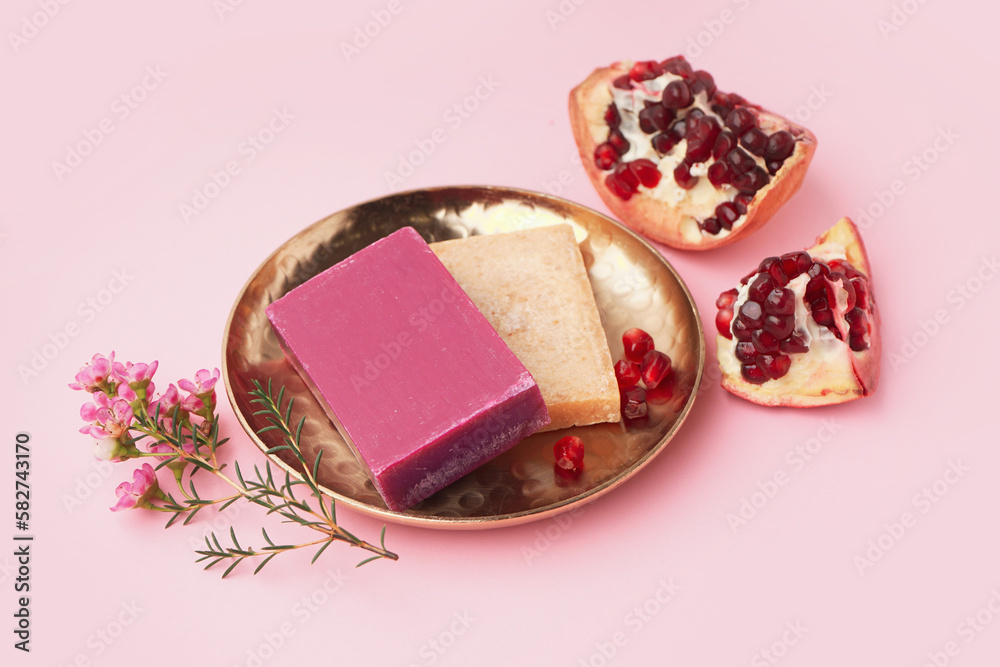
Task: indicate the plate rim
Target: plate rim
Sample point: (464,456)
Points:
(489,521)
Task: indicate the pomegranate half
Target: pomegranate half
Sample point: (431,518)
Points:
(802,329)
(680,161)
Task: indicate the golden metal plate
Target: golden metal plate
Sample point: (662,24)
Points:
(634,287)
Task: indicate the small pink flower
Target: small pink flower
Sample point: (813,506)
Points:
(165,403)
(139,492)
(126,393)
(192,403)
(135,373)
(108,417)
(204,382)
(95,374)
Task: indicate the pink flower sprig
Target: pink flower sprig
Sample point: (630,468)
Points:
(181,430)
(140,492)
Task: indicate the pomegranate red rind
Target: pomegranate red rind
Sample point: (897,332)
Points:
(660,221)
(834,375)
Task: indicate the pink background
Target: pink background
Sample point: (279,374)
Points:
(653,573)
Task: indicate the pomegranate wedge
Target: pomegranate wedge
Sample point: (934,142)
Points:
(680,161)
(802,329)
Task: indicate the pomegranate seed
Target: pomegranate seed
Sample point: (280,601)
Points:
(645,70)
(695,113)
(752,374)
(703,81)
(702,128)
(677,95)
(634,403)
(731,100)
(858,343)
(718,174)
(818,267)
(816,289)
(772,266)
(779,326)
(627,176)
(646,172)
(761,286)
(773,166)
(742,202)
(781,301)
(793,344)
(569,455)
(677,66)
(721,110)
(710,225)
(726,213)
(741,331)
(618,187)
(655,367)
(861,292)
(654,118)
(823,315)
(723,322)
(746,353)
(618,140)
(845,267)
(636,343)
(751,314)
(622,82)
(857,321)
(664,142)
(727,299)
(605,156)
(764,342)
(795,264)
(774,366)
(627,373)
(697,151)
(779,146)
(740,161)
(740,120)
(754,140)
(845,284)
(751,181)
(679,126)
(725,142)
(683,177)
(701,135)
(612,117)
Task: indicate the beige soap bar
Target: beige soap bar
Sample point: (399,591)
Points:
(533,288)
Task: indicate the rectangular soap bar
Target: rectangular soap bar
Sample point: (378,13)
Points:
(419,384)
(533,288)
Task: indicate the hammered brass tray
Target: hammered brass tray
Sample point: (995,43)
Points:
(634,287)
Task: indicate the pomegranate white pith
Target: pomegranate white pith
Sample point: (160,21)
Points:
(680,161)
(802,330)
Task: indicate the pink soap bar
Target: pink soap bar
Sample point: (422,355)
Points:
(419,384)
